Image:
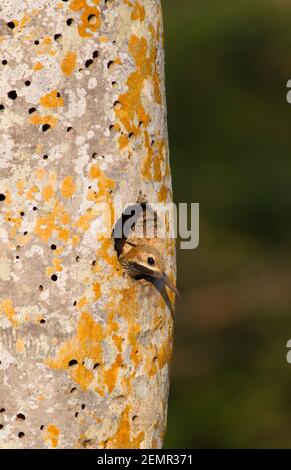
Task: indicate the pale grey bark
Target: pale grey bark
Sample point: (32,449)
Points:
(84,350)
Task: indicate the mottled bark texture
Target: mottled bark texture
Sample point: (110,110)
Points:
(84,350)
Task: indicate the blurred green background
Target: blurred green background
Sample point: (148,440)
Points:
(227,66)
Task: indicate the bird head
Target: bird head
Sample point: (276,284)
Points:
(146,261)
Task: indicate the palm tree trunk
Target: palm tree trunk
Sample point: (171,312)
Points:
(84,350)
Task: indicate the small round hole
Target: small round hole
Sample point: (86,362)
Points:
(72,362)
(88,63)
(12,94)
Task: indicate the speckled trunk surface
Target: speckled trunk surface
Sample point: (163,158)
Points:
(84,350)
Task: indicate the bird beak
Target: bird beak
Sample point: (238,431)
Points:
(170,284)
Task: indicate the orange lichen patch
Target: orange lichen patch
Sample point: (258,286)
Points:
(105,184)
(47,193)
(118,341)
(63,234)
(153,56)
(90,17)
(31,192)
(84,221)
(160,158)
(90,20)
(8,198)
(163,193)
(61,214)
(7,308)
(131,105)
(147,163)
(97,290)
(102,252)
(82,302)
(111,325)
(49,271)
(68,187)
(75,240)
(103,39)
(20,186)
(138,12)
(57,264)
(122,438)
(157,87)
(86,344)
(23,22)
(165,353)
(52,100)
(133,331)
(47,40)
(45,225)
(38,120)
(38,66)
(131,102)
(110,376)
(151,161)
(19,345)
(69,63)
(76,5)
(123,141)
(52,435)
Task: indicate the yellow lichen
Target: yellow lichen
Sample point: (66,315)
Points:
(123,438)
(68,187)
(86,344)
(138,12)
(38,120)
(38,66)
(52,100)
(7,308)
(47,193)
(52,435)
(69,63)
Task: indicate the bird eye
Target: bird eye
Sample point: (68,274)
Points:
(151,261)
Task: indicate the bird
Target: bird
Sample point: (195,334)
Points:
(143,261)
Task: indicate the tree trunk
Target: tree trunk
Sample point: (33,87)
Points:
(84,349)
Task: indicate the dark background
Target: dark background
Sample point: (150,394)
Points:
(227,66)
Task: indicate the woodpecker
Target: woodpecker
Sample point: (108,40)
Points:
(144,261)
